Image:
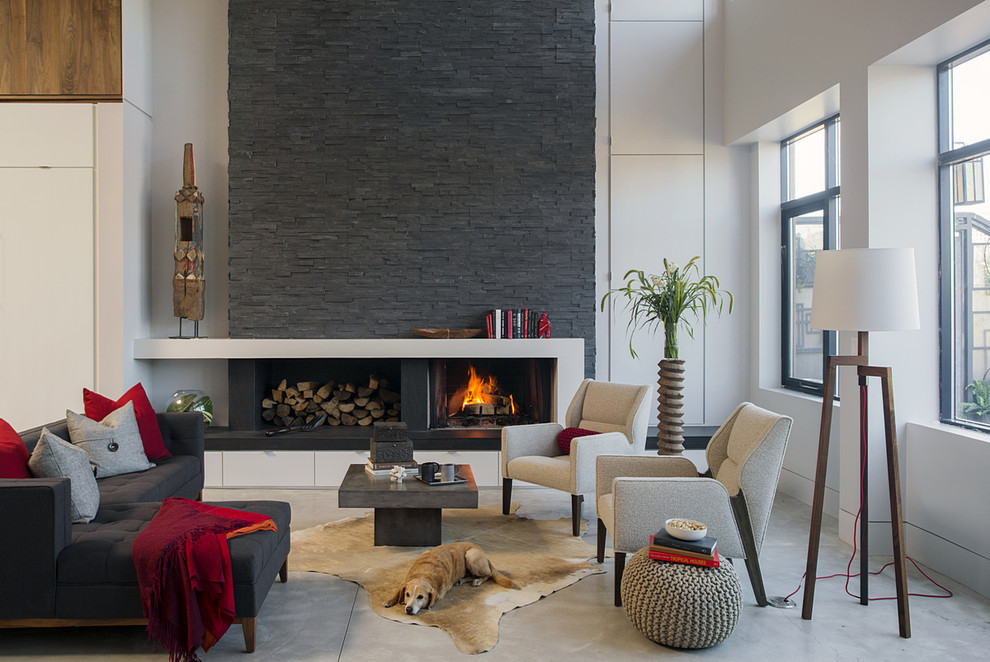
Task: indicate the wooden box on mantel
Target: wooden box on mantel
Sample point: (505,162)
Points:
(390,444)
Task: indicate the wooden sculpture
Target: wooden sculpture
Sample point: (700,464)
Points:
(189,282)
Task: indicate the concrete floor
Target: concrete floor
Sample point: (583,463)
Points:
(319,617)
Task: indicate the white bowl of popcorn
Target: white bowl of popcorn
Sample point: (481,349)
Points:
(686,529)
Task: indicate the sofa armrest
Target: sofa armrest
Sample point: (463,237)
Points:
(36,520)
(183,433)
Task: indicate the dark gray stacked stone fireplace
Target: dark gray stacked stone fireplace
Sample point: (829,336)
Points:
(399,164)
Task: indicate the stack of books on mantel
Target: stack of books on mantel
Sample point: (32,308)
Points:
(385,468)
(665,547)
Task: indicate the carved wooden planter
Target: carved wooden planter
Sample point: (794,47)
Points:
(670,431)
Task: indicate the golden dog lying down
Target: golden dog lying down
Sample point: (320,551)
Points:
(438,569)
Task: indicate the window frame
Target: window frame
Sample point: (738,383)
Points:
(947,158)
(827,202)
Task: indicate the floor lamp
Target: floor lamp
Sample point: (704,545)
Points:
(863,290)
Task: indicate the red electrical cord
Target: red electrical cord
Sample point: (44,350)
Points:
(846,574)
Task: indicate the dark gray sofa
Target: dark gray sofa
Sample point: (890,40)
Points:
(56,573)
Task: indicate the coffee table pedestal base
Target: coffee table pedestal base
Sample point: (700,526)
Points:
(408,527)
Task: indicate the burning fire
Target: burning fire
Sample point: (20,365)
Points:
(479,391)
(485,391)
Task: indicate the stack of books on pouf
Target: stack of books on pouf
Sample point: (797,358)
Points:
(701,551)
(390,448)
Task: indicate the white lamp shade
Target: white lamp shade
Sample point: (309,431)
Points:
(865,289)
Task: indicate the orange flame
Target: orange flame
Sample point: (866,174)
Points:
(478,390)
(512,403)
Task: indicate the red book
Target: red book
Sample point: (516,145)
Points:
(689,560)
(508,324)
(488,325)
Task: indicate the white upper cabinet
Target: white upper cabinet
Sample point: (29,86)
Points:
(658,10)
(52,135)
(657,88)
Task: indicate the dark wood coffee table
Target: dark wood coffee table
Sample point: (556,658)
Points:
(407,512)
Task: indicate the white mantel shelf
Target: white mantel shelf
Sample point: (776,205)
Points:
(305,348)
(569,352)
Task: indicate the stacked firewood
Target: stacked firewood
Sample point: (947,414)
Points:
(344,403)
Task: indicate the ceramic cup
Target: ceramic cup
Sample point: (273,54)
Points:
(448,472)
(428,471)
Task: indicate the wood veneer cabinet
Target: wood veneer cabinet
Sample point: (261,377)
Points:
(60,50)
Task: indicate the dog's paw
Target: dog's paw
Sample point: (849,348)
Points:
(388,603)
(478,581)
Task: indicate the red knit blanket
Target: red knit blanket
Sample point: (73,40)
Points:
(184,573)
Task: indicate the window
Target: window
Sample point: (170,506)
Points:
(964,238)
(809,215)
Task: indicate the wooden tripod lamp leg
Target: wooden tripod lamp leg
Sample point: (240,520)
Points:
(894,485)
(818,504)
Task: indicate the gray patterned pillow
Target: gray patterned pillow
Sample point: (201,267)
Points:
(114,444)
(53,457)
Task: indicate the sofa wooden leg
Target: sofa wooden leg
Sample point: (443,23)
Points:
(250,627)
(601,540)
(620,566)
(283,573)
(506,495)
(576,501)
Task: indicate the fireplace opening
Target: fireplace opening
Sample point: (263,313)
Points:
(490,393)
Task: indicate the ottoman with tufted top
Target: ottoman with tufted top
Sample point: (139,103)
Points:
(679,605)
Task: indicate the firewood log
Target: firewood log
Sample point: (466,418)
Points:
(347,419)
(361,402)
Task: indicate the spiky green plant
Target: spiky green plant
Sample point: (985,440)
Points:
(665,300)
(979,406)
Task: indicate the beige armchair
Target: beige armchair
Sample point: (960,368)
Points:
(635,495)
(530,452)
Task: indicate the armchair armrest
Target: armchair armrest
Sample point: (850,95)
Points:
(35,514)
(610,467)
(643,504)
(585,450)
(522,440)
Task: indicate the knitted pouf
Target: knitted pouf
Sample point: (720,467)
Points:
(681,605)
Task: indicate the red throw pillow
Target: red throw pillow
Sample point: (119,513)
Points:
(14,454)
(98,407)
(567,434)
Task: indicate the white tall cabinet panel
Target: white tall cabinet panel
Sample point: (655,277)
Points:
(656,172)
(657,87)
(658,10)
(657,212)
(46,279)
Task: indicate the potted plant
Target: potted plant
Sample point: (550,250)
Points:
(978,408)
(665,300)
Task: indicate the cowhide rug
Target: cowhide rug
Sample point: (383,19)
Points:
(540,554)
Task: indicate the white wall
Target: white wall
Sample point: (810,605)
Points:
(780,80)
(780,53)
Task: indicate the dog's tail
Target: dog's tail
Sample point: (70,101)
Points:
(502,580)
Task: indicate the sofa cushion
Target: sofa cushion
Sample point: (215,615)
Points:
(54,457)
(114,444)
(14,454)
(176,475)
(100,552)
(97,407)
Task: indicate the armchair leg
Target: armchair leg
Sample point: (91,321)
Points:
(601,540)
(741,512)
(506,495)
(620,566)
(576,501)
